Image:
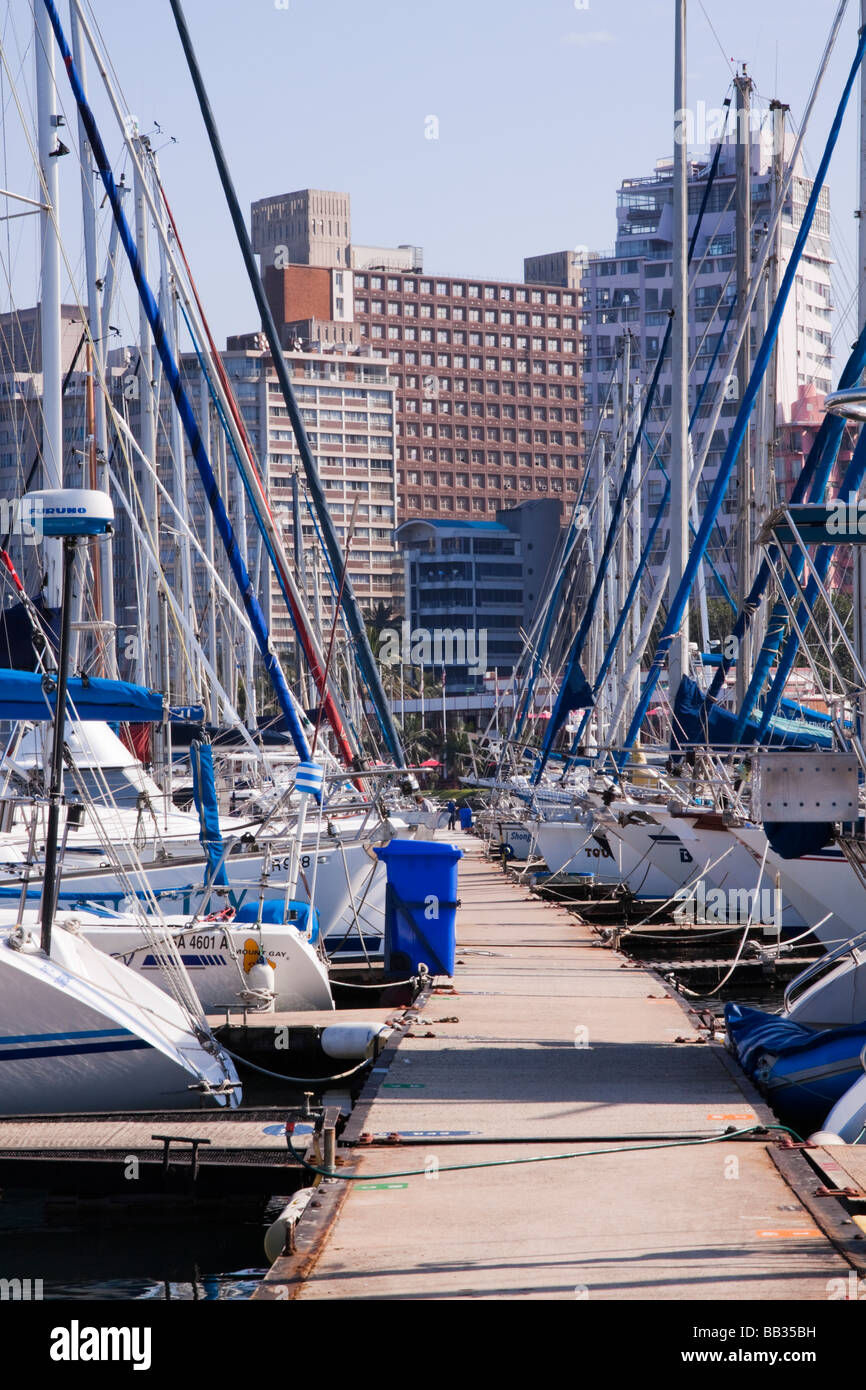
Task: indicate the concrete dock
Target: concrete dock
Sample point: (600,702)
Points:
(552,1044)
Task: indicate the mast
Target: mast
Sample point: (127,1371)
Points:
(190,305)
(103,566)
(250,711)
(93,482)
(598,548)
(210,600)
(625,418)
(48,123)
(149,661)
(743,222)
(304,683)
(362,650)
(636,539)
(859,550)
(186,679)
(766,414)
(679,461)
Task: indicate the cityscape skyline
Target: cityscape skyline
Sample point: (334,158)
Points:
(523,102)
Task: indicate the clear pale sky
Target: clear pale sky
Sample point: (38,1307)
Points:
(543,106)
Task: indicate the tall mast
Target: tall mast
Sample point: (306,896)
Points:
(743,221)
(679,468)
(625,418)
(149,662)
(859,550)
(361,645)
(210,601)
(103,566)
(636,541)
(48,123)
(187,680)
(766,413)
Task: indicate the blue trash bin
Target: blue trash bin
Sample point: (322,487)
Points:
(465,814)
(420,905)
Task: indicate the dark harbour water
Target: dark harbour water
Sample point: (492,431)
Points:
(110,1251)
(82,1251)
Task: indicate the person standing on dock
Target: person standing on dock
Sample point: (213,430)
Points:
(452,814)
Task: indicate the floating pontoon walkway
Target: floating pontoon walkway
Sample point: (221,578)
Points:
(551,1044)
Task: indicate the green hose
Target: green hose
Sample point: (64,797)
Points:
(536,1158)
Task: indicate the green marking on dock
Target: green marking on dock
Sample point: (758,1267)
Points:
(379,1186)
(403,1085)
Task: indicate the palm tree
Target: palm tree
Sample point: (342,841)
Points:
(383,615)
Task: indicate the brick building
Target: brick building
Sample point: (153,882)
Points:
(486,372)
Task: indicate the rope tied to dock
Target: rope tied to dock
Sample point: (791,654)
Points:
(727,1135)
(302,1080)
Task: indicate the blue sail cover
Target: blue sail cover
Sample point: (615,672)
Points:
(699,720)
(204,794)
(574,693)
(16,633)
(28,695)
(186,714)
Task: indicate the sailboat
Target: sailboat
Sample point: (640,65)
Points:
(78,1030)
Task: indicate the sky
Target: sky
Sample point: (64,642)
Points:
(541,107)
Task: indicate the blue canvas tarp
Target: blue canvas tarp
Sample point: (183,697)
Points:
(28,695)
(204,793)
(702,721)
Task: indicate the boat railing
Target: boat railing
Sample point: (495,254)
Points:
(818,967)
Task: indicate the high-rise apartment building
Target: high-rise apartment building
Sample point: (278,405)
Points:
(627,293)
(347,405)
(485,372)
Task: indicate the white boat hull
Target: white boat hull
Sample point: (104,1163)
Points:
(219,958)
(601,853)
(816,885)
(80,1032)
